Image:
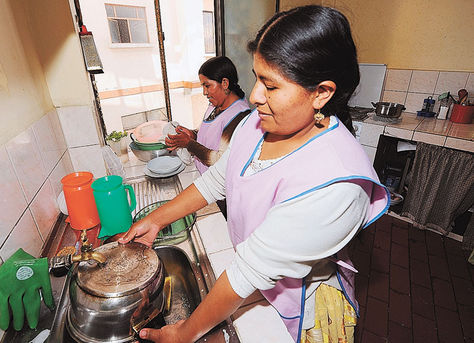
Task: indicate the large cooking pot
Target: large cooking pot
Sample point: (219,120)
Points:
(111,301)
(388,109)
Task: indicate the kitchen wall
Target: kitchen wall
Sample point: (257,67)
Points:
(421,35)
(49,127)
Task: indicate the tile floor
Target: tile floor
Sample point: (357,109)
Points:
(413,285)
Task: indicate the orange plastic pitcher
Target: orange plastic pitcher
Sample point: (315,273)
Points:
(80,200)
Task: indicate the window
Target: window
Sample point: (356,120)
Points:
(209,40)
(127,24)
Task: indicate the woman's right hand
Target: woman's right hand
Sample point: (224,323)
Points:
(144,231)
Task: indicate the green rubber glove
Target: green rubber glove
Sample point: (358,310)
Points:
(21,278)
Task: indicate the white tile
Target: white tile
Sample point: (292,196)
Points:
(260,322)
(369,134)
(88,158)
(25,235)
(397,80)
(45,210)
(451,82)
(460,144)
(399,133)
(414,101)
(394,96)
(12,201)
(48,146)
(213,232)
(429,138)
(423,81)
(63,168)
(57,129)
(29,168)
(470,84)
(370,151)
(220,260)
(78,125)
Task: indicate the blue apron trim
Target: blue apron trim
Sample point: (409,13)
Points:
(303,296)
(301,315)
(291,153)
(210,121)
(233,119)
(349,300)
(344,178)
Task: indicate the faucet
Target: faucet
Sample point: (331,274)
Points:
(59,265)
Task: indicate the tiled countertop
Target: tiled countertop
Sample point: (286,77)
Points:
(256,320)
(428,130)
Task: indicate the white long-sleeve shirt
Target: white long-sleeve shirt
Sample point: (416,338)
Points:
(296,236)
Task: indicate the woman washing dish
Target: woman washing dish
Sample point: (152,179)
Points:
(219,81)
(298,185)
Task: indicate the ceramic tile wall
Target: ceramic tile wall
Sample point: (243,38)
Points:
(411,87)
(31,167)
(81,136)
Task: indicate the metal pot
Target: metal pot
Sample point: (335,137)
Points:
(111,302)
(388,109)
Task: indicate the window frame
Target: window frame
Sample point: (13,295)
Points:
(115,17)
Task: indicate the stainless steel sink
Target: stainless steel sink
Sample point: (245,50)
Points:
(186,263)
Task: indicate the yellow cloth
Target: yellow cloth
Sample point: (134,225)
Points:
(335,318)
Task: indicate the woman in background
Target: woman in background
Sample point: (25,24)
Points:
(227,107)
(299,186)
(219,81)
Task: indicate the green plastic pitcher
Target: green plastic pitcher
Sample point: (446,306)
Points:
(113,205)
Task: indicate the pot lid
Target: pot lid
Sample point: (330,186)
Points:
(129,268)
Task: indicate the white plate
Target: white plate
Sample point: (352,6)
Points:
(157,175)
(164,164)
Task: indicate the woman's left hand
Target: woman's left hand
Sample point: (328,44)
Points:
(167,334)
(180,140)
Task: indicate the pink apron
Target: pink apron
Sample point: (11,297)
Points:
(332,156)
(210,132)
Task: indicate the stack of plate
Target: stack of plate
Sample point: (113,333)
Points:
(164,166)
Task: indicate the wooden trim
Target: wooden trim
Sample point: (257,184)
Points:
(116,93)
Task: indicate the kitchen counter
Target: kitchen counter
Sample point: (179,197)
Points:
(420,129)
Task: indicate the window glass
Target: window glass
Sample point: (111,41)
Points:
(138,31)
(127,24)
(114,31)
(141,12)
(125,12)
(209,40)
(110,10)
(123,29)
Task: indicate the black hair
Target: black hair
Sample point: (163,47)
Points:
(219,67)
(311,44)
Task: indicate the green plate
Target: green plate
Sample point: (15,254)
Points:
(147,146)
(174,233)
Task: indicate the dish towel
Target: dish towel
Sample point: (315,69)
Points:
(182,153)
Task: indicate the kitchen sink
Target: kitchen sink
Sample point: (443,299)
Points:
(189,285)
(185,262)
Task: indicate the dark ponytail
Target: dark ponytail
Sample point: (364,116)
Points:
(311,44)
(220,67)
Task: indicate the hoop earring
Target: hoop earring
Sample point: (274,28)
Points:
(226,91)
(318,116)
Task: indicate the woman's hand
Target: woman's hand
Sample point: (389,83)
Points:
(181,139)
(143,231)
(167,334)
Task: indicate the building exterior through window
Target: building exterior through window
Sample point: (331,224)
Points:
(127,24)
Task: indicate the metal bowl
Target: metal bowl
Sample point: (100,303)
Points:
(146,155)
(388,109)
